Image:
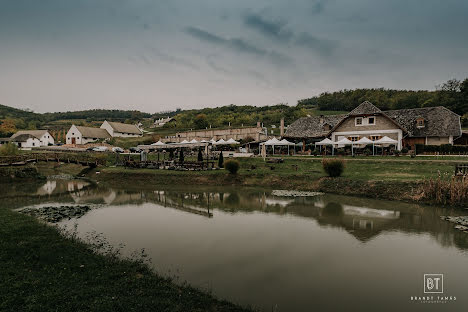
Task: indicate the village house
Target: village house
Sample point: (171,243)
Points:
(44,138)
(429,126)
(26,141)
(162,121)
(83,135)
(118,129)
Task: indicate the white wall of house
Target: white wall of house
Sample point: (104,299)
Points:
(28,144)
(125,135)
(107,126)
(46,139)
(114,134)
(74,136)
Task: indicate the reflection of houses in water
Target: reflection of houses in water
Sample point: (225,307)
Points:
(48,188)
(364,219)
(76,185)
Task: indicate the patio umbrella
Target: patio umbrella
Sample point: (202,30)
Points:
(345,141)
(365,141)
(286,142)
(386,140)
(232,141)
(220,142)
(263,151)
(325,141)
(159,143)
(194,141)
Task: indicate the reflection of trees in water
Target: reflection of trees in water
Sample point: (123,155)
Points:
(232,200)
(333,209)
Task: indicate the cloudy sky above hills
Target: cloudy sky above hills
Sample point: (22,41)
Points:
(156,55)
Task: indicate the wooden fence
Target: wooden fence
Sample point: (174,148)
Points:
(76,158)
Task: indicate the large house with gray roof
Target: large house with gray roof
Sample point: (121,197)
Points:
(78,135)
(429,126)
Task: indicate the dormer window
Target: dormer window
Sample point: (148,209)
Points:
(326,127)
(420,122)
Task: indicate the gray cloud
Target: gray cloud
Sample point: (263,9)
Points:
(204,35)
(238,45)
(274,29)
(73,54)
(322,46)
(278,31)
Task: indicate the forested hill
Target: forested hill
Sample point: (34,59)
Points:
(13,119)
(453,94)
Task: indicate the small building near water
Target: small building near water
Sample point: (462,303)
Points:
(429,126)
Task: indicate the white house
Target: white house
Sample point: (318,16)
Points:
(26,141)
(162,121)
(44,137)
(118,129)
(84,135)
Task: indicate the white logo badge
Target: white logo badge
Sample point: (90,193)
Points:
(433,283)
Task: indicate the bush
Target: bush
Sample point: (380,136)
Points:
(333,167)
(404,150)
(232,166)
(9,149)
(221,160)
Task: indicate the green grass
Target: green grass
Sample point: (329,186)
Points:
(363,169)
(43,271)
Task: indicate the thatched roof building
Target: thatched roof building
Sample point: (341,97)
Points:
(313,127)
(417,122)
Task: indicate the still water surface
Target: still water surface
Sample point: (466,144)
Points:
(323,253)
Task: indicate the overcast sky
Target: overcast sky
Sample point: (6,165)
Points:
(157,55)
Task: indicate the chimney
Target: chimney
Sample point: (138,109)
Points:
(282,127)
(322,119)
(258,124)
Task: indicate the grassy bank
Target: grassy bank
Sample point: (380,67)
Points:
(43,271)
(386,178)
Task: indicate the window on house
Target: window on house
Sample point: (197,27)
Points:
(371,120)
(326,127)
(358,121)
(375,137)
(420,122)
(353,138)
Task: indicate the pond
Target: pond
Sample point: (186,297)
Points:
(275,253)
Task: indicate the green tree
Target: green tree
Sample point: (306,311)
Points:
(221,160)
(201,121)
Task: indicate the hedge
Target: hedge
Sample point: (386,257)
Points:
(442,149)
